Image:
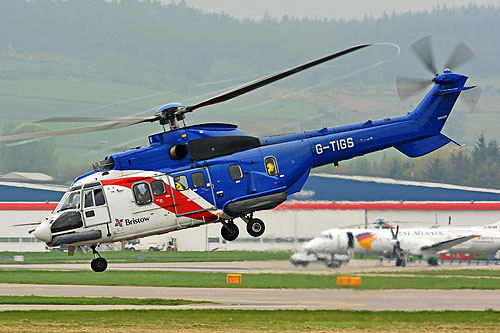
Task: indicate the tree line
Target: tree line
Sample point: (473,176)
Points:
(153,44)
(477,167)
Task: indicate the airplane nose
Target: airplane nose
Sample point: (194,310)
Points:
(42,232)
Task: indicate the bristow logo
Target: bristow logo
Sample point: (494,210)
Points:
(119,222)
(136,221)
(366,239)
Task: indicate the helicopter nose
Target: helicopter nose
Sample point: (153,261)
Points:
(42,232)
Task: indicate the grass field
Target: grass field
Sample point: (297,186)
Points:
(449,273)
(150,256)
(246,320)
(218,280)
(92,300)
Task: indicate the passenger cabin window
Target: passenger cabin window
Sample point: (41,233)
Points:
(142,194)
(181,183)
(158,187)
(198,179)
(235,171)
(271,166)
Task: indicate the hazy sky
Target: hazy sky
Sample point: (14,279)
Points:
(350,9)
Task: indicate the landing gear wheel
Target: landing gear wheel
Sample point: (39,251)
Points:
(230,231)
(255,227)
(432,261)
(99,264)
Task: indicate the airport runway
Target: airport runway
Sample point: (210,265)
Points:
(272,266)
(267,299)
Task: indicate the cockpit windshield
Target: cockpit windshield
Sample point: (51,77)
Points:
(70,200)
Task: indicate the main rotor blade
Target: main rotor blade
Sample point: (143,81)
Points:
(269,79)
(408,87)
(460,55)
(90,119)
(77,130)
(423,50)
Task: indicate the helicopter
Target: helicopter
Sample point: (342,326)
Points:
(189,176)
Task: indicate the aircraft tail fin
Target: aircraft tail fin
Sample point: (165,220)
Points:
(495,225)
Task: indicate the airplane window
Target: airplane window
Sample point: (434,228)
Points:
(88,199)
(181,183)
(198,179)
(142,193)
(235,171)
(271,166)
(99,197)
(158,187)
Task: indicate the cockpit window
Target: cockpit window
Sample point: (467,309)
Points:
(88,199)
(99,197)
(93,198)
(71,200)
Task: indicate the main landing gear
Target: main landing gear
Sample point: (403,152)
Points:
(98,264)
(255,227)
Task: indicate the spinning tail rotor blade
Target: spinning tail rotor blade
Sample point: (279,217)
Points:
(408,87)
(471,97)
(423,50)
(460,55)
(269,79)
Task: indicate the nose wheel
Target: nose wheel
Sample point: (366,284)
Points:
(98,264)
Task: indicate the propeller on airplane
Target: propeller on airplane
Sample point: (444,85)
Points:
(171,114)
(407,87)
(396,246)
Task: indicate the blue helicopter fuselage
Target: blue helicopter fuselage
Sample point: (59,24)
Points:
(242,168)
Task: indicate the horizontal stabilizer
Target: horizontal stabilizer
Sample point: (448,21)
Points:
(440,246)
(423,146)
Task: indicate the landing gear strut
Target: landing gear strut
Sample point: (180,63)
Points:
(98,264)
(229,231)
(255,227)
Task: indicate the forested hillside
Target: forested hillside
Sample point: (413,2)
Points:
(162,45)
(119,58)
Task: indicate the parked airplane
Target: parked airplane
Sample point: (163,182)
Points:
(336,246)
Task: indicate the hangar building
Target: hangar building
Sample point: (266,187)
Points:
(326,201)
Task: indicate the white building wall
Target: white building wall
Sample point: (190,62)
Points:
(17,239)
(285,229)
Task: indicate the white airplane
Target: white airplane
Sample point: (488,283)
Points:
(336,246)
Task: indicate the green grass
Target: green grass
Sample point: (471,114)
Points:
(458,272)
(218,280)
(246,320)
(91,300)
(153,256)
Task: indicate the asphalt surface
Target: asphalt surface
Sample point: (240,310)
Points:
(272,266)
(267,299)
(262,299)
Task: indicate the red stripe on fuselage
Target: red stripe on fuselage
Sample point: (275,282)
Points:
(183,203)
